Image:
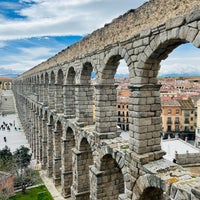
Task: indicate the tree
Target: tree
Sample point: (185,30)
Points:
(22,159)
(6,159)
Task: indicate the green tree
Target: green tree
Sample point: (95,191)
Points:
(22,159)
(6,159)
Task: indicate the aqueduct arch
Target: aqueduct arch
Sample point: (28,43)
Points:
(142,37)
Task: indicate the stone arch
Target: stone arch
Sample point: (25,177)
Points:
(70,78)
(50,130)
(112,184)
(82,160)
(106,94)
(44,139)
(84,106)
(69,93)
(161,46)
(52,78)
(57,152)
(86,72)
(149,186)
(68,143)
(59,92)
(42,78)
(45,91)
(51,91)
(60,77)
(46,78)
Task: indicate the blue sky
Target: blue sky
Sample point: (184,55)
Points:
(32,31)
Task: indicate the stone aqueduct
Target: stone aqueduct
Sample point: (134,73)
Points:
(84,155)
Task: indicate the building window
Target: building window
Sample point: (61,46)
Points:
(191,119)
(177,120)
(126,113)
(186,121)
(169,111)
(186,113)
(177,111)
(187,129)
(169,128)
(191,127)
(118,113)
(119,119)
(127,106)
(177,128)
(169,120)
(118,106)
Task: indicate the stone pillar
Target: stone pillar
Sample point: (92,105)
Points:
(37,136)
(106,111)
(51,97)
(69,101)
(66,177)
(49,150)
(59,106)
(81,183)
(106,184)
(40,92)
(83,104)
(145,119)
(40,146)
(44,144)
(57,158)
(45,94)
(33,133)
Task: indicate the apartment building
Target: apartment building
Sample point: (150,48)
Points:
(122,109)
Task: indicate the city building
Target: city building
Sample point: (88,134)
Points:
(171,116)
(5,83)
(122,109)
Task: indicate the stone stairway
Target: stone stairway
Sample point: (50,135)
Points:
(7,105)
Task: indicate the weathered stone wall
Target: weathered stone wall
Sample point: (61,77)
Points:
(126,26)
(187,158)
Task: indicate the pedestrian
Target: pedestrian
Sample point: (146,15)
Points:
(4,139)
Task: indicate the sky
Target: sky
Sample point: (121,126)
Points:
(31,31)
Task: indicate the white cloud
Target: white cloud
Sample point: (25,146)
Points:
(25,58)
(56,18)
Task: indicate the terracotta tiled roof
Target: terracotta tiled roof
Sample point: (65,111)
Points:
(171,103)
(186,104)
(2,78)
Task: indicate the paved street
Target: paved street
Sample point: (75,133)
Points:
(15,137)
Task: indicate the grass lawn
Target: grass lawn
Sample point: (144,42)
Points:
(39,193)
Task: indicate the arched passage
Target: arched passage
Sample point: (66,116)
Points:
(50,130)
(59,92)
(51,91)
(108,181)
(69,94)
(45,91)
(84,113)
(82,159)
(44,140)
(106,98)
(152,193)
(58,132)
(68,142)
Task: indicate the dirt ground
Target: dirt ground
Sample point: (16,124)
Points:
(195,169)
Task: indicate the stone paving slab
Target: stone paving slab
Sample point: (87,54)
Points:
(15,137)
